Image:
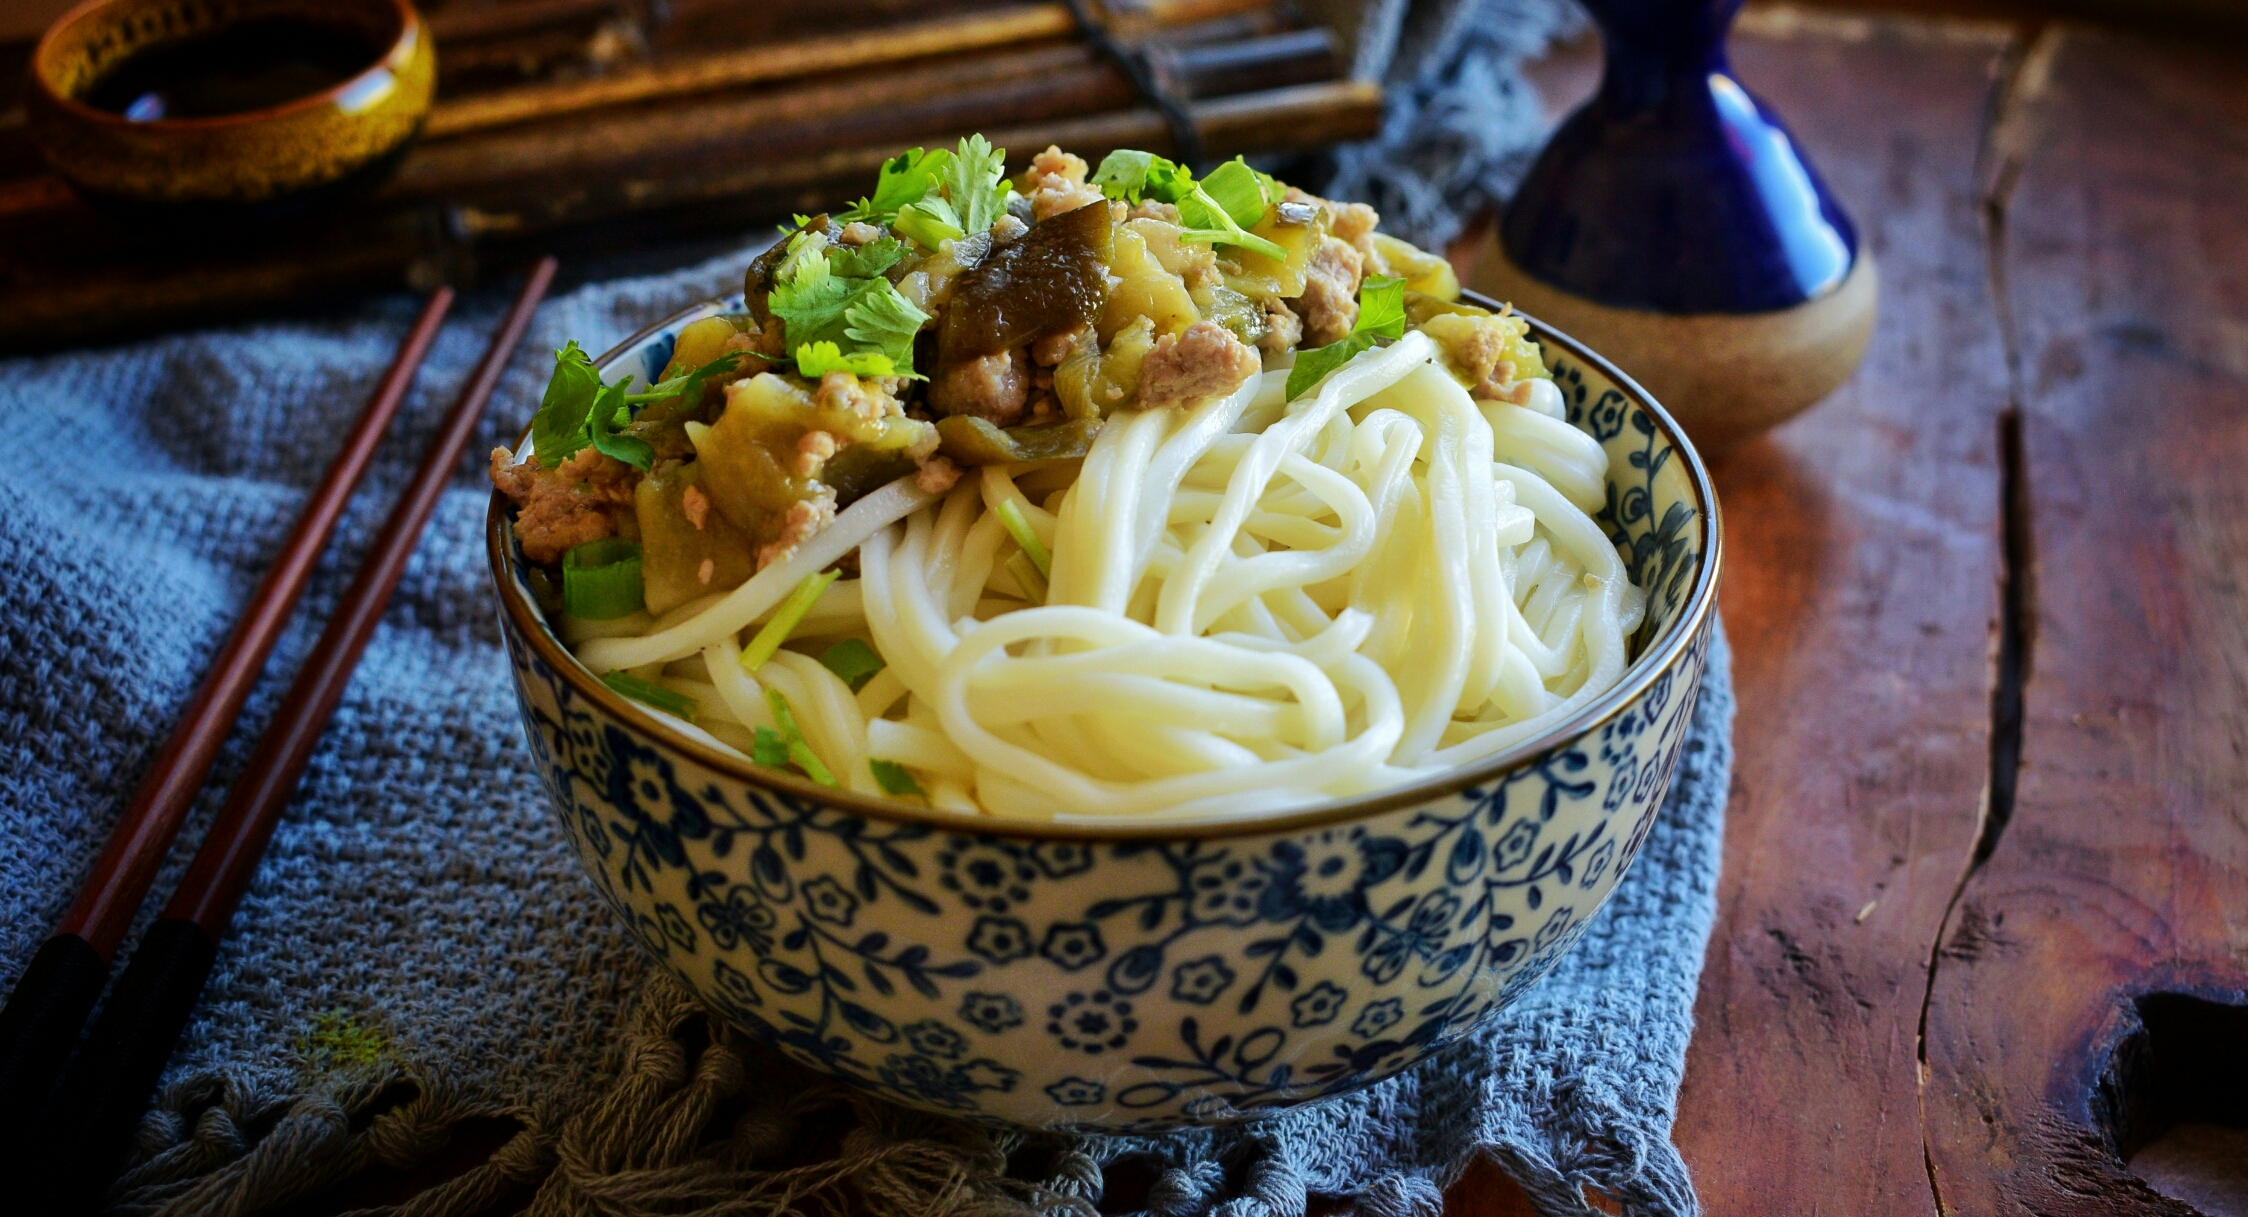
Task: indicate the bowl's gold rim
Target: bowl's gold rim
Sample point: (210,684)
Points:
(403,47)
(1644,671)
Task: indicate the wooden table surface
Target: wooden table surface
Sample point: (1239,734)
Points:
(2014,544)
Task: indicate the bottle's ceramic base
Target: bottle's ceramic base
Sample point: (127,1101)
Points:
(1726,377)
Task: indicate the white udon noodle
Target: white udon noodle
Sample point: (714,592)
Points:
(1252,606)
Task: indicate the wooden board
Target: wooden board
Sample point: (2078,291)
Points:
(1876,874)
(2123,869)
(1861,590)
(1861,593)
(1864,593)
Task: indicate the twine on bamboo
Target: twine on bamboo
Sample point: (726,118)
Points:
(1186,134)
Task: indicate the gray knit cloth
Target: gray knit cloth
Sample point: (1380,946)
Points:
(1453,140)
(419,947)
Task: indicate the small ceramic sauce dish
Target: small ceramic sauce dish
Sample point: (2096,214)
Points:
(244,109)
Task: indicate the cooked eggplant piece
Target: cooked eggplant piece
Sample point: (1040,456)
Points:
(972,441)
(676,540)
(1051,280)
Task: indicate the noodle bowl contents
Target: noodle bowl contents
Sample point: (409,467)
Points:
(1097,492)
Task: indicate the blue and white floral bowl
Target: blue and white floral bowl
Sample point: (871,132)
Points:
(1134,978)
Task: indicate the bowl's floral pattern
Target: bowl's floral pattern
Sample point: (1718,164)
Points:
(1130,982)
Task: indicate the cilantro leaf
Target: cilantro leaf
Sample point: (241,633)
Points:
(893,778)
(687,386)
(577,410)
(1381,307)
(1123,174)
(880,318)
(862,315)
(1132,175)
(817,359)
(1381,314)
(558,430)
(1313,366)
(906,179)
(975,183)
(855,315)
(867,260)
(806,296)
(610,413)
(1168,183)
(852,661)
(804,274)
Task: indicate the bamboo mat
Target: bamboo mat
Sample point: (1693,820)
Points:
(585,125)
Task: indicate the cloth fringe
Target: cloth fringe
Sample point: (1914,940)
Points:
(689,1126)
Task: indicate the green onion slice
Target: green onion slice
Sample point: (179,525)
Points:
(652,694)
(792,748)
(854,662)
(1019,528)
(601,579)
(1025,571)
(785,619)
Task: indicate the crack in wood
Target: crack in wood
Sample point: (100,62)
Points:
(2008,131)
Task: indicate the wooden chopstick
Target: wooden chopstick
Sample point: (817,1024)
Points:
(777,61)
(753,181)
(101,1099)
(635,144)
(459,23)
(644,149)
(48,1006)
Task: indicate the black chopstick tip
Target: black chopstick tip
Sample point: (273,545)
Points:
(39,1027)
(81,1146)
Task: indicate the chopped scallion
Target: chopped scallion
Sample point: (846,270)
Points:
(653,694)
(784,620)
(1027,577)
(1019,528)
(1237,189)
(601,579)
(930,223)
(793,749)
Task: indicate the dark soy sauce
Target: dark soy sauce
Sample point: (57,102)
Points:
(249,65)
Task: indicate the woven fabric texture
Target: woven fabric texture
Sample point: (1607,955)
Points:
(419,947)
(1453,141)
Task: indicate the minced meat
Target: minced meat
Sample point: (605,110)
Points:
(1329,305)
(806,518)
(1204,361)
(994,388)
(561,509)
